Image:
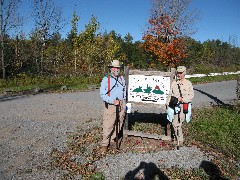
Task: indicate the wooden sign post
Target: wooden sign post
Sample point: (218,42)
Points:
(147,88)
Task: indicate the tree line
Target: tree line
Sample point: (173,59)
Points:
(87,53)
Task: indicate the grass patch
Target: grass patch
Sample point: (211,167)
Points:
(25,83)
(148,128)
(218,127)
(207,79)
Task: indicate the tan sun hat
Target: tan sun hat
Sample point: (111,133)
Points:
(115,63)
(181,69)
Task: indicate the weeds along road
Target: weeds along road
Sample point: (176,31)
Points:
(31,126)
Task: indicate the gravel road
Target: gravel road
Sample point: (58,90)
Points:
(31,126)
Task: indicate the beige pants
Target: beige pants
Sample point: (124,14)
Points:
(178,125)
(109,118)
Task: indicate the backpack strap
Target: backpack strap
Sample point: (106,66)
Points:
(179,90)
(122,85)
(108,85)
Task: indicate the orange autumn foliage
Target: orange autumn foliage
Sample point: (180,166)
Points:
(163,41)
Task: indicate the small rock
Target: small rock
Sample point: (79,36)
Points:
(63,88)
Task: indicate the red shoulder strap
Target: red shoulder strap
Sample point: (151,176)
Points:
(109,84)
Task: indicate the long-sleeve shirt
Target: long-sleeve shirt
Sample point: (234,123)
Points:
(117,89)
(187,96)
(186,90)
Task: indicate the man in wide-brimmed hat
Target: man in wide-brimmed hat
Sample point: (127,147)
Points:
(113,93)
(182,89)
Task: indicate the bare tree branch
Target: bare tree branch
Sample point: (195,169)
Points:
(48,20)
(178,10)
(8,11)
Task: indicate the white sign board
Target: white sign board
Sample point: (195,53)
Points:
(148,89)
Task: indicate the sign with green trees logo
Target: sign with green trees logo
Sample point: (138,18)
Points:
(148,89)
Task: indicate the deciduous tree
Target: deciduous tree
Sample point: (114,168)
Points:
(72,37)
(48,20)
(86,46)
(8,16)
(169,22)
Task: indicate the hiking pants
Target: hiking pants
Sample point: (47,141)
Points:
(178,125)
(109,119)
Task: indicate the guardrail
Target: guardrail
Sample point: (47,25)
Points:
(211,74)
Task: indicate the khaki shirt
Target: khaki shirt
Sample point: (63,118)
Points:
(186,90)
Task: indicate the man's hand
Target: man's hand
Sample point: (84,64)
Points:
(116,102)
(180,99)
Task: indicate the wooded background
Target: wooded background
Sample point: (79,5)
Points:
(166,43)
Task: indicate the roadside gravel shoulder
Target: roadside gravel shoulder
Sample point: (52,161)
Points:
(31,126)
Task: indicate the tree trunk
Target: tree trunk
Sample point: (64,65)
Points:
(2,58)
(75,62)
(42,58)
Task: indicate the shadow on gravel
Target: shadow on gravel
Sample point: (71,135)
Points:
(146,171)
(212,170)
(12,97)
(215,99)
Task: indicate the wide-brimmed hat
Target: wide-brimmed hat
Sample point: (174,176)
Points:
(181,69)
(115,63)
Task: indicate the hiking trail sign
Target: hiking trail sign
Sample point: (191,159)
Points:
(148,89)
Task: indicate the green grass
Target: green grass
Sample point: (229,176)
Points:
(218,127)
(51,83)
(26,83)
(219,78)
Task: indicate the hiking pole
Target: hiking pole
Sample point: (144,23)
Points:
(117,121)
(178,143)
(175,130)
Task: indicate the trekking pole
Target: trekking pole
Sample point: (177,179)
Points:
(117,121)
(178,143)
